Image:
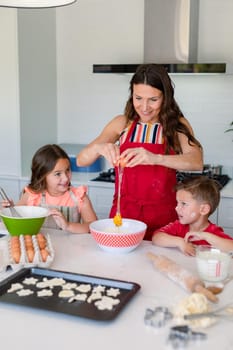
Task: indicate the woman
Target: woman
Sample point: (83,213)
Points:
(153,139)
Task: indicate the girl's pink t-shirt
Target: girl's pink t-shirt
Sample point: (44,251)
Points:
(64,200)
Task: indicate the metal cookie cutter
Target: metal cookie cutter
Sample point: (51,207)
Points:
(180,336)
(157,317)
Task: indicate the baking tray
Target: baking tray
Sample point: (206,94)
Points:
(54,303)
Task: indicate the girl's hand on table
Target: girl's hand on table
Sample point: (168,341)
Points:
(59,218)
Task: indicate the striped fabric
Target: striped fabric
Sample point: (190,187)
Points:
(144,133)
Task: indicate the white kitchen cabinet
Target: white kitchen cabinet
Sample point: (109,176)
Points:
(214,217)
(101,195)
(225,215)
(225,209)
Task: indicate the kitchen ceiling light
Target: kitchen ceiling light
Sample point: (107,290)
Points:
(35,3)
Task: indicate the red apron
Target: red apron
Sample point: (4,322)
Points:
(147,191)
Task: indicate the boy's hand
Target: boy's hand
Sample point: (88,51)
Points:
(194,236)
(187,248)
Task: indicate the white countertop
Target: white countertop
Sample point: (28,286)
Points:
(26,328)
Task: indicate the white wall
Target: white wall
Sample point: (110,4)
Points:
(9,100)
(37,81)
(91,32)
(108,31)
(215,30)
(208,104)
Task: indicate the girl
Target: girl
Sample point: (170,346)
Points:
(50,186)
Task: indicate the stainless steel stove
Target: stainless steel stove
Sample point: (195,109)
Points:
(106,176)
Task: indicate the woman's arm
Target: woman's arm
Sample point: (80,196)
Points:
(191,157)
(104,145)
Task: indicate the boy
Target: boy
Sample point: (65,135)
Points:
(197,198)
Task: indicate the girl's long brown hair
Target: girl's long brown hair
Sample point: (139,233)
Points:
(170,115)
(43,162)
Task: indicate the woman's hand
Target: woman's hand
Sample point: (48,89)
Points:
(109,151)
(105,144)
(138,156)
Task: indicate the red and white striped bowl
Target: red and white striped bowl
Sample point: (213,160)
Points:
(120,239)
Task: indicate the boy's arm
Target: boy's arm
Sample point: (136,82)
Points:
(163,239)
(222,243)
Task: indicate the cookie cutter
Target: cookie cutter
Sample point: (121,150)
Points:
(157,317)
(180,336)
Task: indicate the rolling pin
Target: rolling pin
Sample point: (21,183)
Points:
(181,276)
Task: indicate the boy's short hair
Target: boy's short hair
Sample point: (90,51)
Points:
(203,189)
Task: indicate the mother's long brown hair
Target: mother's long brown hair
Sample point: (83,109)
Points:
(170,115)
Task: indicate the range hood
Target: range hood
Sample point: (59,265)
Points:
(170,38)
